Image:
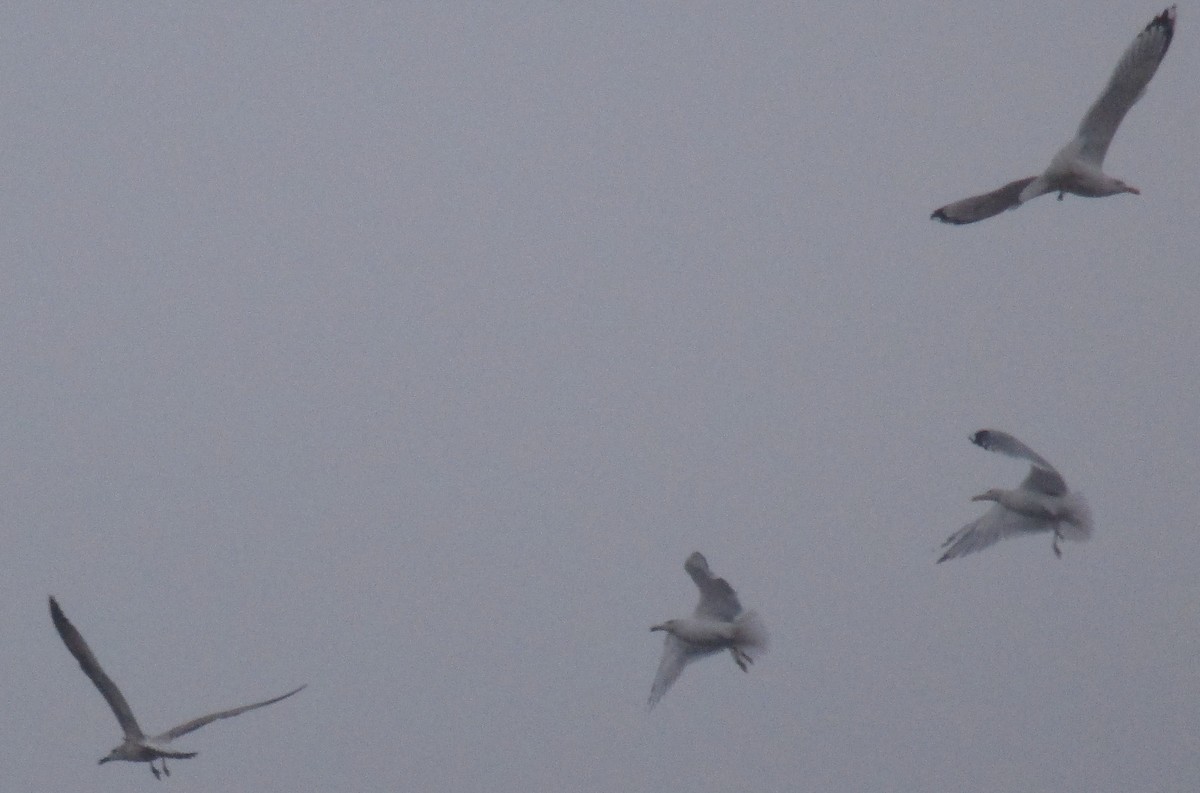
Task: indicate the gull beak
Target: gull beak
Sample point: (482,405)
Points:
(980,497)
(1134,190)
(657,628)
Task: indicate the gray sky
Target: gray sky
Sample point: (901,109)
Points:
(408,353)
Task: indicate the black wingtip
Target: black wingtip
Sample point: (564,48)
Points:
(1166,23)
(983,439)
(59,619)
(940,214)
(1165,20)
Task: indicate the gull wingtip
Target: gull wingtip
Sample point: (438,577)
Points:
(940,214)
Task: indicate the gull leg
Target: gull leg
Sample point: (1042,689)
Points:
(154,771)
(1057,536)
(1060,195)
(164,764)
(740,658)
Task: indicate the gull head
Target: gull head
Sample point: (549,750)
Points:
(120,753)
(995,494)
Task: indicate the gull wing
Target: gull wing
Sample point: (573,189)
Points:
(195,724)
(1042,476)
(718,601)
(991,527)
(91,667)
(1126,86)
(981,207)
(675,657)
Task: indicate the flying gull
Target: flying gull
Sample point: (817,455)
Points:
(1041,503)
(1077,166)
(137,746)
(718,623)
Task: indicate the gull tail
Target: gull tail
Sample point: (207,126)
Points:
(1077,518)
(749,632)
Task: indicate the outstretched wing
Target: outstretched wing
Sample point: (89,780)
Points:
(981,207)
(675,657)
(91,667)
(1128,82)
(718,601)
(991,527)
(1042,476)
(195,724)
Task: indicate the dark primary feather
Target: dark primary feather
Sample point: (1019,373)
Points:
(91,667)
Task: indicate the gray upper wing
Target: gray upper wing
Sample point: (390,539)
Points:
(1042,475)
(1128,82)
(195,724)
(91,667)
(718,601)
(981,207)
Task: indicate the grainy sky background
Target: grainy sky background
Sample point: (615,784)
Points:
(407,351)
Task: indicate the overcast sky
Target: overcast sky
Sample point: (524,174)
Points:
(408,351)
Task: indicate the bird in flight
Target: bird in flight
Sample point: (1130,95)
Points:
(137,747)
(717,624)
(1041,503)
(1076,168)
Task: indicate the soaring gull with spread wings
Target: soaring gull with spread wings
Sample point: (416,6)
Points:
(1077,166)
(137,747)
(1041,503)
(717,624)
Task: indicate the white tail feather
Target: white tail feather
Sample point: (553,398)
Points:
(1077,518)
(748,631)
